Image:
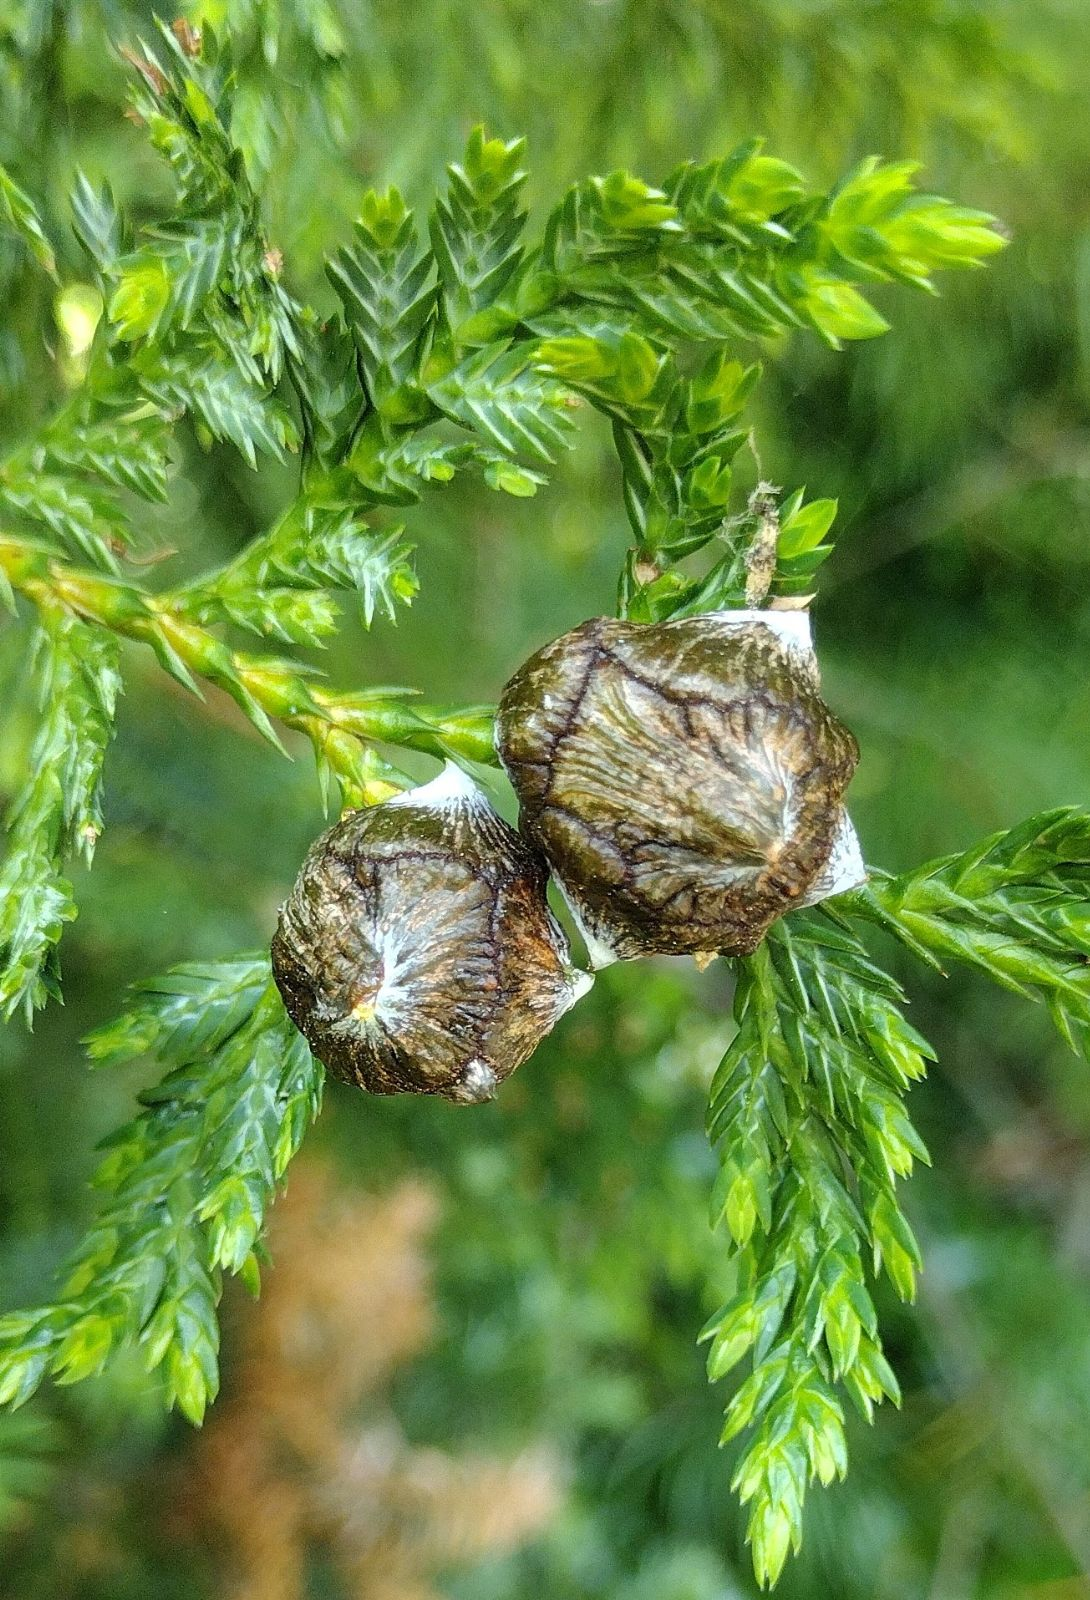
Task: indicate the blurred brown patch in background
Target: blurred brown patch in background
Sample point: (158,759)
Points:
(304,1458)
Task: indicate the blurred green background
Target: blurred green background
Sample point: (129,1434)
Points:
(473,1372)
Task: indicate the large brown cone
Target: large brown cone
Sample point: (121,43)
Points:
(683,779)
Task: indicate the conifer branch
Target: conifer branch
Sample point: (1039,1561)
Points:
(57,814)
(265,688)
(807,1113)
(1013,908)
(184,1188)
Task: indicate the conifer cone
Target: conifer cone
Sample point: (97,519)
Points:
(417,952)
(684,779)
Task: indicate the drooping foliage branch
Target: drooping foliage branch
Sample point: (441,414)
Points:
(184,1187)
(807,1111)
(464,346)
